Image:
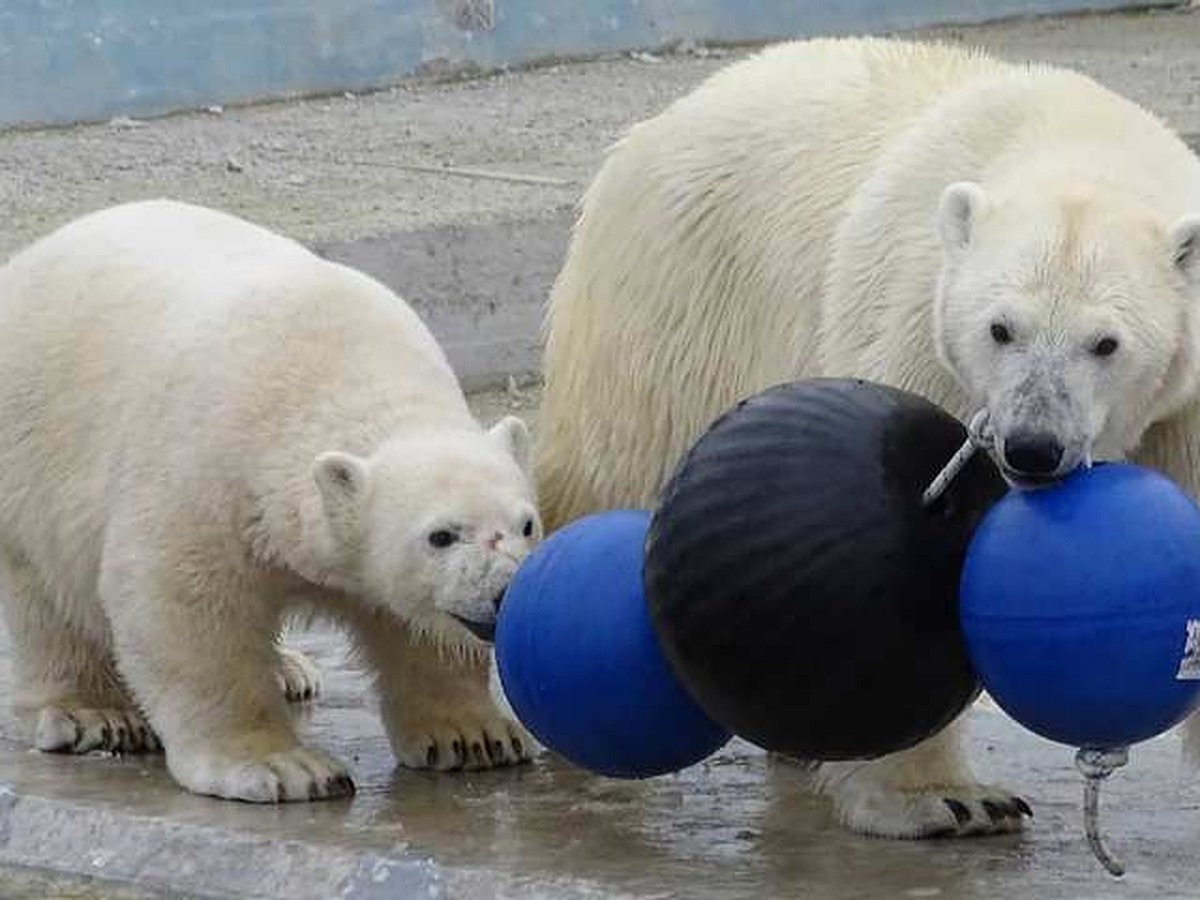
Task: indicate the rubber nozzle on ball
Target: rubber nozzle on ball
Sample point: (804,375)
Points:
(579,660)
(803,593)
(1081,606)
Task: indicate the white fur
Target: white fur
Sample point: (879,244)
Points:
(202,426)
(871,208)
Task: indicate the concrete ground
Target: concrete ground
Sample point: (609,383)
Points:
(736,826)
(460,196)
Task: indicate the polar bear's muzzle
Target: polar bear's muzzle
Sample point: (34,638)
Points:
(1043,417)
(485,631)
(483,627)
(1037,459)
(1032,457)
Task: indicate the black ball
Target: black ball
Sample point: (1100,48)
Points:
(803,594)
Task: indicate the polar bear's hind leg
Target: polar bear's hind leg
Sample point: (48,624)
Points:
(67,687)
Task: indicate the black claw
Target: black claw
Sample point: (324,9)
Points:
(460,752)
(495,753)
(477,752)
(518,747)
(431,755)
(1010,810)
(106,736)
(962,815)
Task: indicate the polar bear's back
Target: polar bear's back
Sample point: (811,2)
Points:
(778,222)
(172,273)
(116,301)
(701,250)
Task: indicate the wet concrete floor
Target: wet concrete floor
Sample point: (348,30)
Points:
(738,825)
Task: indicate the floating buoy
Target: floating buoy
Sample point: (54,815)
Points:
(580,663)
(805,594)
(1081,611)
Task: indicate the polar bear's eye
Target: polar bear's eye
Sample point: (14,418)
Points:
(1001,334)
(1106,346)
(442,538)
(528,529)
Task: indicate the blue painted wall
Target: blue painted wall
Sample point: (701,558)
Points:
(71,60)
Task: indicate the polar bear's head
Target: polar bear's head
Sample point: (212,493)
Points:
(433,527)
(1072,316)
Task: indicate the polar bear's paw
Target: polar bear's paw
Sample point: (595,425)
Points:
(298,676)
(68,729)
(282,776)
(480,738)
(930,812)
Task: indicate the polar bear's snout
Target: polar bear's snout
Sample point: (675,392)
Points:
(1046,416)
(1032,455)
(483,628)
(485,631)
(1037,455)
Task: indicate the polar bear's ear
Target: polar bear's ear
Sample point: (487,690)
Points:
(958,212)
(341,478)
(513,437)
(1184,239)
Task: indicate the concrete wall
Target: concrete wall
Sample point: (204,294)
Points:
(71,60)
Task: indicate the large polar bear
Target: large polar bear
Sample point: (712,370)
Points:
(203,425)
(978,232)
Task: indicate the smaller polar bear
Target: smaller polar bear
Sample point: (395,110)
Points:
(203,426)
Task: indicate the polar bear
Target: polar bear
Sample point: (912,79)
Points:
(204,426)
(985,234)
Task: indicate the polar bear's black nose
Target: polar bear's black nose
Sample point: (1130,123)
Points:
(1033,453)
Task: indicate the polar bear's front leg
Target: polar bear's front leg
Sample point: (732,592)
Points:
(925,791)
(437,705)
(198,650)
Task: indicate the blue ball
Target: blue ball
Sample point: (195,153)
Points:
(580,662)
(1080,605)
